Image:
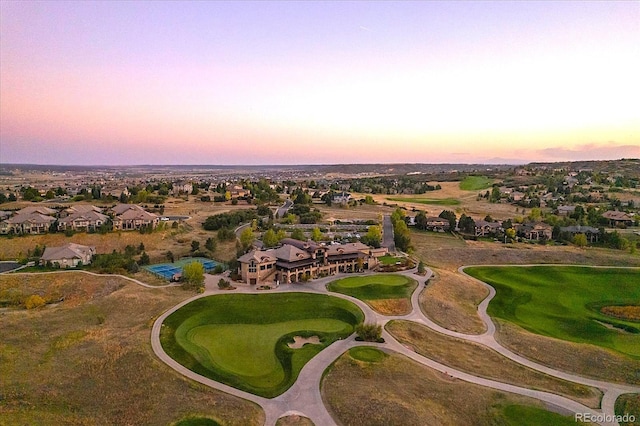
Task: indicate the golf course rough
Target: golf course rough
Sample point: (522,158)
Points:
(242,339)
(566,302)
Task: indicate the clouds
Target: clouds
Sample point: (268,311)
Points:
(591,151)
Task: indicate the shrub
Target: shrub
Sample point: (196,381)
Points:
(223,284)
(369,332)
(34,301)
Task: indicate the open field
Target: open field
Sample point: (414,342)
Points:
(451,300)
(484,362)
(428,201)
(414,394)
(389,294)
(475,183)
(565,302)
(88,360)
(242,341)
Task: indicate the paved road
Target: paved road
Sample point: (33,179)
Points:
(304,396)
(387,234)
(282,210)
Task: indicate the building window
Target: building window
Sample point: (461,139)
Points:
(252,267)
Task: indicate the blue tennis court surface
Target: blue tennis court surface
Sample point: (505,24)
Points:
(170,270)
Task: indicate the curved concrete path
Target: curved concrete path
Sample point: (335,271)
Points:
(304,396)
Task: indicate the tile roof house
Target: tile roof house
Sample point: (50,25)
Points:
(617,217)
(536,231)
(131,216)
(484,228)
(69,255)
(83,221)
(27,223)
(590,232)
(37,209)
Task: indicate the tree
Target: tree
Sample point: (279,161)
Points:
(580,240)
(193,276)
(421,268)
(316,234)
(495,194)
(195,245)
(467,224)
(141,248)
(373,237)
(210,244)
(224,284)
(421,220)
(144,259)
(298,234)
(246,238)
(170,257)
(510,233)
(270,239)
(451,217)
(401,236)
(281,234)
(369,332)
(34,301)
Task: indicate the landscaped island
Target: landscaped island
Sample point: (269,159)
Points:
(243,339)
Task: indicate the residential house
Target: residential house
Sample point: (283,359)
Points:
(27,223)
(516,196)
(342,198)
(436,223)
(89,221)
(131,216)
(484,228)
(590,232)
(617,218)
(536,231)
(566,210)
(80,208)
(37,209)
(182,187)
(238,191)
(69,255)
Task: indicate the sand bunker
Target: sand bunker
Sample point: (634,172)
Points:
(299,341)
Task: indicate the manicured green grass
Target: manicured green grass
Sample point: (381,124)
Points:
(367,354)
(375,287)
(390,260)
(242,339)
(521,415)
(565,301)
(197,421)
(430,201)
(475,183)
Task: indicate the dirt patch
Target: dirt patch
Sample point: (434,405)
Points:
(294,420)
(451,301)
(299,341)
(629,313)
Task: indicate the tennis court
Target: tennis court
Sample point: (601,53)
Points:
(170,270)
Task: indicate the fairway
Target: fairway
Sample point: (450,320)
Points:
(375,288)
(242,339)
(567,302)
(475,183)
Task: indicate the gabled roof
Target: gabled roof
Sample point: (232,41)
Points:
(90,216)
(616,215)
(121,208)
(37,209)
(309,246)
(134,214)
(82,208)
(36,218)
(258,256)
(290,253)
(67,251)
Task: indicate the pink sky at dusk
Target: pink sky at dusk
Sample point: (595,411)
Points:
(117,83)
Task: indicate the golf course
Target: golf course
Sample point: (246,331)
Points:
(378,291)
(580,304)
(247,340)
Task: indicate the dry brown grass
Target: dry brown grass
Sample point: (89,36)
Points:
(631,313)
(412,394)
(88,360)
(294,420)
(484,362)
(451,300)
(391,306)
(582,359)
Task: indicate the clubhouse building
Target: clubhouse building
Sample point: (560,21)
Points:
(297,261)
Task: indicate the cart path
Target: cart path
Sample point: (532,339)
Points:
(304,397)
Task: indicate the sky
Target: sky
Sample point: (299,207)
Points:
(300,82)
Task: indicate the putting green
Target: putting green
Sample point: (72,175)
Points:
(242,339)
(565,302)
(373,287)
